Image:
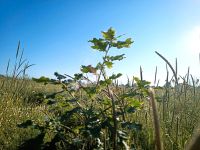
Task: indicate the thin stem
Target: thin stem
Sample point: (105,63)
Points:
(155,120)
(102,66)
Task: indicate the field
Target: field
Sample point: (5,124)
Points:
(74,112)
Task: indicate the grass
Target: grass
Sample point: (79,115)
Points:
(178,113)
(169,115)
(17,108)
(18,104)
(13,111)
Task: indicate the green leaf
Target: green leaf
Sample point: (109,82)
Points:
(84,69)
(88,69)
(99,44)
(106,82)
(68,114)
(106,101)
(142,84)
(109,35)
(134,102)
(102,83)
(91,91)
(114,58)
(123,44)
(129,94)
(128,42)
(118,57)
(115,76)
(109,64)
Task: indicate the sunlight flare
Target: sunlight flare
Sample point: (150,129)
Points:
(192,40)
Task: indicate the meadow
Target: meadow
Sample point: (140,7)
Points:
(75,112)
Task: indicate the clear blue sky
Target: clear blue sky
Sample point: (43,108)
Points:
(55,34)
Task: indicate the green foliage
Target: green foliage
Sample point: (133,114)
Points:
(109,64)
(115,76)
(122,44)
(113,58)
(88,69)
(99,44)
(42,79)
(77,121)
(59,76)
(109,40)
(143,86)
(109,35)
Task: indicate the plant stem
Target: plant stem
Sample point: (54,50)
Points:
(156,121)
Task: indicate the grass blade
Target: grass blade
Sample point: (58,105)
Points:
(174,72)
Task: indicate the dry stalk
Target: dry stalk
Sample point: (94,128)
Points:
(194,144)
(155,120)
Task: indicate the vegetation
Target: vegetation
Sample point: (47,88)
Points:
(76,112)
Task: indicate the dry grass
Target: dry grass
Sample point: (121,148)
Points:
(14,109)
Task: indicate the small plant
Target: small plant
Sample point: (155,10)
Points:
(92,114)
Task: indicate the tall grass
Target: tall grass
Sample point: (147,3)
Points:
(15,88)
(178,106)
(172,124)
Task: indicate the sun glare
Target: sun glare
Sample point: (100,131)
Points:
(192,40)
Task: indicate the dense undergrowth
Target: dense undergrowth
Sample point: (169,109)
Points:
(75,112)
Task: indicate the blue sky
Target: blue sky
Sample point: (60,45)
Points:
(55,34)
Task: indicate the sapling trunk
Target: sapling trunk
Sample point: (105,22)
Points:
(114,116)
(114,121)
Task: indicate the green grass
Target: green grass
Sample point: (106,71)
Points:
(15,110)
(178,115)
